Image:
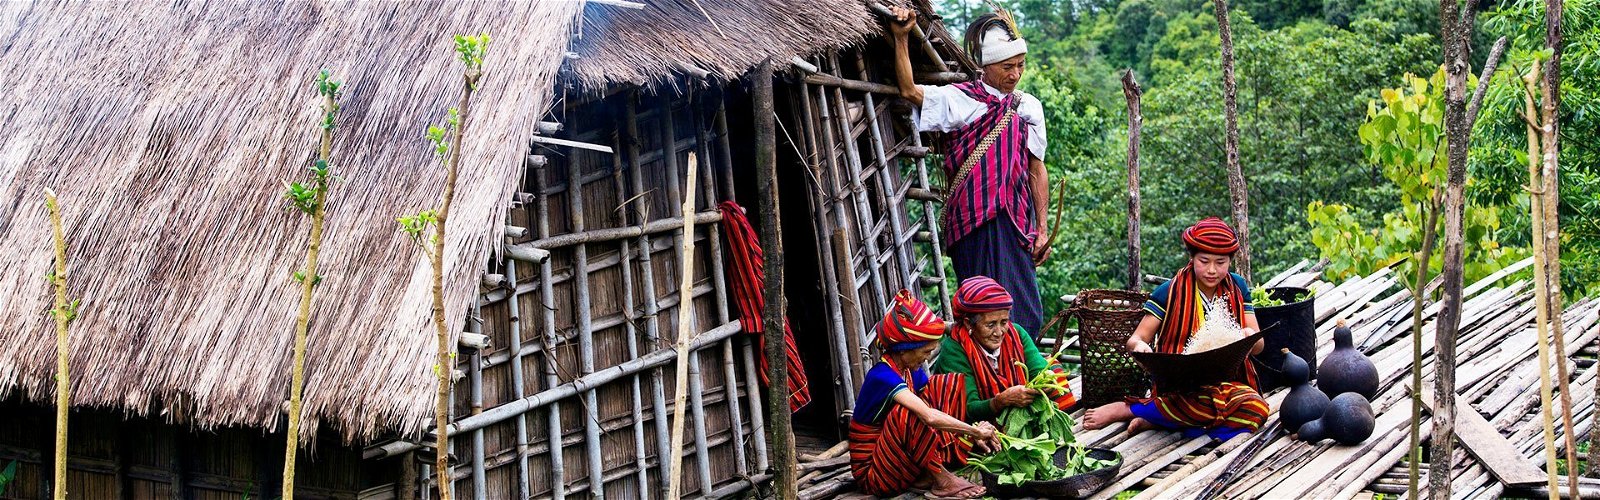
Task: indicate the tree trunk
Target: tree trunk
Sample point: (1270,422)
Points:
(1230,107)
(63,315)
(1541,286)
(1131,90)
(1456,30)
(780,438)
(441,328)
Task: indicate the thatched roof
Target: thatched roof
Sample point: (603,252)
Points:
(723,38)
(168,128)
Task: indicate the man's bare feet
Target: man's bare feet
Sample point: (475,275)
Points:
(1099,418)
(1138,425)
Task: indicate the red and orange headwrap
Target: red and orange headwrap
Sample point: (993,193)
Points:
(980,294)
(1211,235)
(909,324)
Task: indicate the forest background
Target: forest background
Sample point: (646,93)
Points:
(1308,72)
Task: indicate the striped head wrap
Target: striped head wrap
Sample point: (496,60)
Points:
(980,294)
(1211,235)
(909,324)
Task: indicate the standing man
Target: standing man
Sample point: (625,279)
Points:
(996,192)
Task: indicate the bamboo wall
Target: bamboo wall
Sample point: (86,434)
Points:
(110,457)
(602,309)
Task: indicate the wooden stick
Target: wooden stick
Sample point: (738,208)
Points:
(1456,30)
(1551,141)
(1230,106)
(781,437)
(685,336)
(1132,91)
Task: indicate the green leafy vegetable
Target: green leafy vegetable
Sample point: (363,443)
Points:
(1020,458)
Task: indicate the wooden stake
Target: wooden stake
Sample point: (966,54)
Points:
(1419,297)
(63,314)
(781,438)
(1551,192)
(1131,90)
(1456,27)
(1230,107)
(685,337)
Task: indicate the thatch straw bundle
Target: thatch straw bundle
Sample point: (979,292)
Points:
(726,39)
(167,128)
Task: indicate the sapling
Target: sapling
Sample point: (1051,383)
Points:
(310,198)
(63,312)
(446,140)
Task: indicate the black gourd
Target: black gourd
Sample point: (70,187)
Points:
(1304,402)
(1348,421)
(1346,369)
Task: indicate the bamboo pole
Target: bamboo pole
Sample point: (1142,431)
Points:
(63,313)
(781,437)
(838,335)
(475,387)
(518,391)
(1551,191)
(1540,283)
(675,186)
(583,317)
(652,307)
(685,336)
(1132,91)
(317,209)
(630,329)
(886,184)
(547,307)
(708,185)
(1230,105)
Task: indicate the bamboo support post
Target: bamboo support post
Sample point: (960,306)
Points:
(930,215)
(887,175)
(677,189)
(652,308)
(583,315)
(1132,91)
(916,31)
(518,390)
(836,82)
(630,331)
(558,482)
(708,185)
(863,212)
(475,390)
(831,285)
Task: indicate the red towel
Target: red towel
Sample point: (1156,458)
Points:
(749,281)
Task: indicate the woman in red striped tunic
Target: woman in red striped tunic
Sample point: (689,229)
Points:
(1174,312)
(907,426)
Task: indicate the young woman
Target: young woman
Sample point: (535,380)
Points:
(1174,312)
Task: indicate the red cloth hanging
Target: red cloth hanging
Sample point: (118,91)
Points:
(748,282)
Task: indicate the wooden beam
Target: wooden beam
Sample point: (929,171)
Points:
(1491,449)
(572,144)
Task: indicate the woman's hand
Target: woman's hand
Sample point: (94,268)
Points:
(985,437)
(1015,396)
(1138,345)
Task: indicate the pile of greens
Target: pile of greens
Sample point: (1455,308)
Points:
(1261,298)
(1031,435)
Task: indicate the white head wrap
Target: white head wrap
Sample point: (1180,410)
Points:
(997,45)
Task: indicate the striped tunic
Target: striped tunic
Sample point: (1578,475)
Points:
(999,181)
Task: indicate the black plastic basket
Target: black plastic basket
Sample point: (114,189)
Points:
(1079,486)
(1297,332)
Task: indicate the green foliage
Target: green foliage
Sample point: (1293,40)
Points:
(1499,144)
(1032,458)
(416,226)
(439,135)
(471,49)
(1404,136)
(307,197)
(329,88)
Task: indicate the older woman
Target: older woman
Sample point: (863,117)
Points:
(1174,312)
(907,425)
(997,357)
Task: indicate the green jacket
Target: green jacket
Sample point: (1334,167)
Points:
(953,359)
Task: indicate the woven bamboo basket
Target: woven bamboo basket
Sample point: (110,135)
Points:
(1105,320)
